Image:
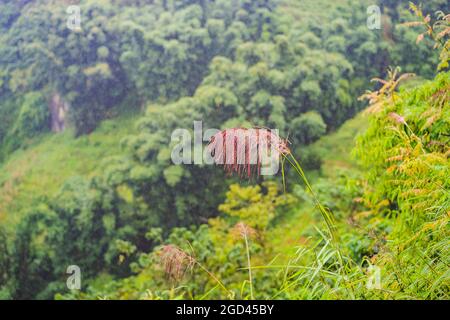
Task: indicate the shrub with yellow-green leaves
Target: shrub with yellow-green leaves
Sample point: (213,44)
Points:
(255,206)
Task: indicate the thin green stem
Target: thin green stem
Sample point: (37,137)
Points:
(325,212)
(214,278)
(249,267)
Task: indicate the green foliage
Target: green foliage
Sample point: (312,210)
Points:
(405,153)
(152,51)
(112,208)
(249,205)
(308,128)
(33,117)
(25,118)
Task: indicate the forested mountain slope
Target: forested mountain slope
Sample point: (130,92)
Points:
(103,194)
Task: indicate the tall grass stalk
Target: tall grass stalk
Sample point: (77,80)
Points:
(327,215)
(250,278)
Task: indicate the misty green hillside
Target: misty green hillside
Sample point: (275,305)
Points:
(38,171)
(134,140)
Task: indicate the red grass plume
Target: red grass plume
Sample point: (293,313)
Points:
(175,261)
(242,230)
(243,151)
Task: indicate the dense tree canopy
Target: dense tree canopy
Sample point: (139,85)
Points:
(239,63)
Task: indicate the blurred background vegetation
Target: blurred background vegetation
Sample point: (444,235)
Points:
(86,176)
